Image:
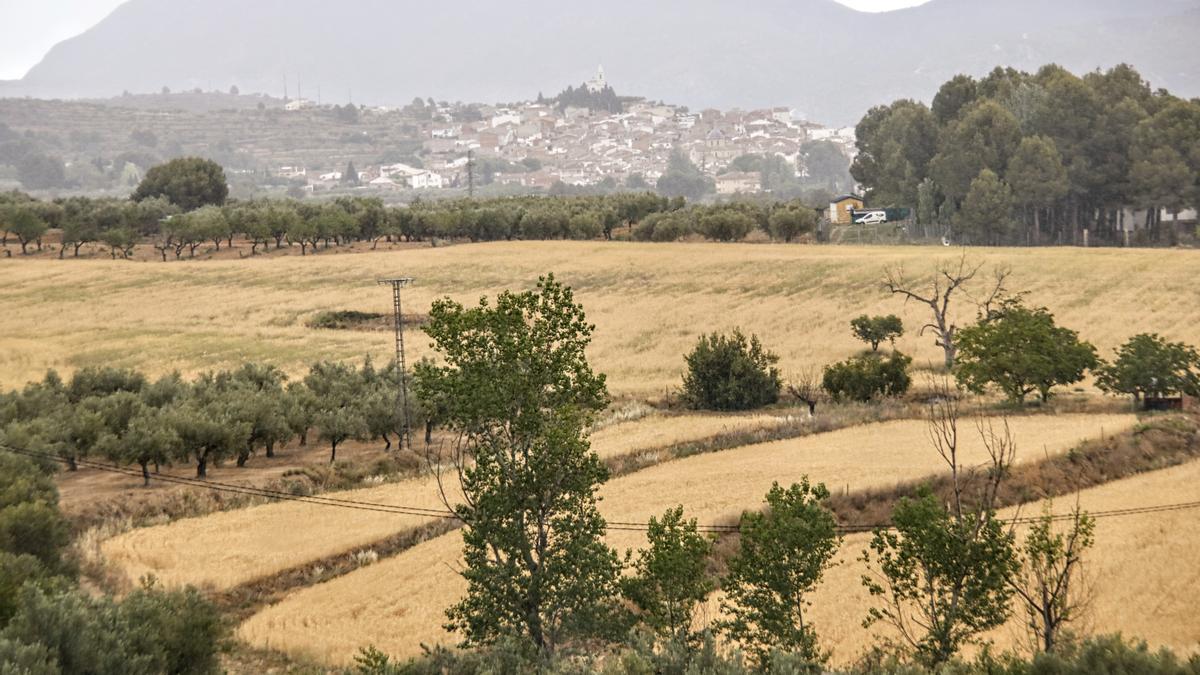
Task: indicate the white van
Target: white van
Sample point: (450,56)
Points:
(872,218)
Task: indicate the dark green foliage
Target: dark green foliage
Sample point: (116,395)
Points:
(788,223)
(517,387)
(24,222)
(783,553)
(187,182)
(36,529)
(725,225)
(1070,152)
(605,100)
(151,632)
(33,533)
(1148,365)
(684,179)
(863,378)
(663,227)
(874,330)
(986,213)
(1021,350)
(729,372)
(670,577)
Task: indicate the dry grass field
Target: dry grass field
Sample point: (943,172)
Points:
(398,604)
(226,549)
(649,302)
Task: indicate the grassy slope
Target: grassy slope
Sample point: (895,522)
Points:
(649,302)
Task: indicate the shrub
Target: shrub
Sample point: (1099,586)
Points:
(731,373)
(344,320)
(864,378)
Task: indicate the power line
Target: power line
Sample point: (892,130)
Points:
(622,526)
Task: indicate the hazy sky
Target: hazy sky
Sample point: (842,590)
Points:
(29,28)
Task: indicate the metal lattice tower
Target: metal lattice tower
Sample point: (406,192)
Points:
(402,396)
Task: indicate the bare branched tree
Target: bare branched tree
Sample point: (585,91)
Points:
(1049,581)
(949,279)
(806,386)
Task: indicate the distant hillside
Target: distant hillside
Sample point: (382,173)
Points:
(826,60)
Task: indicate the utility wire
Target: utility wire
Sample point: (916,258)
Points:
(450,515)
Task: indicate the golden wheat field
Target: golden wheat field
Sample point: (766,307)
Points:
(399,604)
(649,302)
(1143,573)
(223,550)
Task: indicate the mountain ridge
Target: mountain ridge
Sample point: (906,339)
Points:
(828,61)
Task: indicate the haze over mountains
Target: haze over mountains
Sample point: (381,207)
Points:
(826,60)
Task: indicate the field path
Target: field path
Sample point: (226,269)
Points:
(399,604)
(223,550)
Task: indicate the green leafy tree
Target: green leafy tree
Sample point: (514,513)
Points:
(1164,179)
(783,553)
(150,439)
(187,182)
(1021,350)
(519,393)
(896,144)
(874,330)
(1149,365)
(729,372)
(942,572)
(670,576)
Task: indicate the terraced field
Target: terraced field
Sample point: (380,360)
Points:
(1143,571)
(226,549)
(398,604)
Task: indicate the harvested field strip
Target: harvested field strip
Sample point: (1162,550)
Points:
(399,604)
(1143,572)
(224,550)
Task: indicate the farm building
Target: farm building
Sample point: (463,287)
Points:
(840,209)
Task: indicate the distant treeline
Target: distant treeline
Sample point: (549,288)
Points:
(119,225)
(1036,158)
